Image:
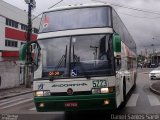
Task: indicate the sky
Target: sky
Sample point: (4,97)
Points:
(141,17)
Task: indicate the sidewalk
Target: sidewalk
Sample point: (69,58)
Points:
(155,87)
(7,93)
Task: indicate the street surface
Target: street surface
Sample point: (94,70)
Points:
(142,104)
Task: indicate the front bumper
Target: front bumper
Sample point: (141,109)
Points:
(85,102)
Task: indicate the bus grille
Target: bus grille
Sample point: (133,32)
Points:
(75,93)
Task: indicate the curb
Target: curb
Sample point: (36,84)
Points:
(9,96)
(154,90)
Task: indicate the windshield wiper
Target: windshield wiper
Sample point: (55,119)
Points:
(62,60)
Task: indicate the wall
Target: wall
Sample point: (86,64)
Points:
(9,75)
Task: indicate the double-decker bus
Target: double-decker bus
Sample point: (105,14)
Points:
(87,60)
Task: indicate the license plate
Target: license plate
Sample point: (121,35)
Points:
(71,104)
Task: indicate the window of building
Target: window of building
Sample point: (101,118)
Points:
(11,23)
(7,21)
(35,30)
(22,43)
(24,27)
(10,43)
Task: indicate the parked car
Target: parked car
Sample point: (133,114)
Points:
(155,74)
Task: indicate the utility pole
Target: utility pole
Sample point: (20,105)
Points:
(28,65)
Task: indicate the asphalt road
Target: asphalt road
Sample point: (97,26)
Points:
(142,105)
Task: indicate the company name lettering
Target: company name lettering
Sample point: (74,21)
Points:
(69,85)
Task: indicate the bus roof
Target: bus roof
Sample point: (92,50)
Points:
(76,6)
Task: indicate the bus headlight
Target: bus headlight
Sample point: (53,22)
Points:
(41,93)
(103,90)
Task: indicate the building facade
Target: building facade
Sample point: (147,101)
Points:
(13,30)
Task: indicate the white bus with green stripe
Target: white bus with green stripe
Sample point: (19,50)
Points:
(87,60)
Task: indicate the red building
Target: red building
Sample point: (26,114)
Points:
(13,30)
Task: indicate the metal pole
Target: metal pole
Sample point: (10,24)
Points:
(29,35)
(157,59)
(152,54)
(29,32)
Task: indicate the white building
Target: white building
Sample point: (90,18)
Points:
(13,29)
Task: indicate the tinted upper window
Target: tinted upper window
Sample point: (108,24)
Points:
(75,19)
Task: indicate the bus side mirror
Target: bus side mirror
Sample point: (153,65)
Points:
(117,45)
(32,55)
(117,50)
(22,52)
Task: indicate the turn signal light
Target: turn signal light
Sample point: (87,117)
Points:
(41,105)
(106,102)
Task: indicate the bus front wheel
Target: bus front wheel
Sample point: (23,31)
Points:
(122,105)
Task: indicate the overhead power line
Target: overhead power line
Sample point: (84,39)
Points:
(127,7)
(56,4)
(48,8)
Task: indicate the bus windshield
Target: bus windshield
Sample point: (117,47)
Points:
(80,17)
(77,56)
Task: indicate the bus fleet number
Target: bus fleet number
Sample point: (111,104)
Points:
(99,83)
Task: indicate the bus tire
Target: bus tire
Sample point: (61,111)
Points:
(122,105)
